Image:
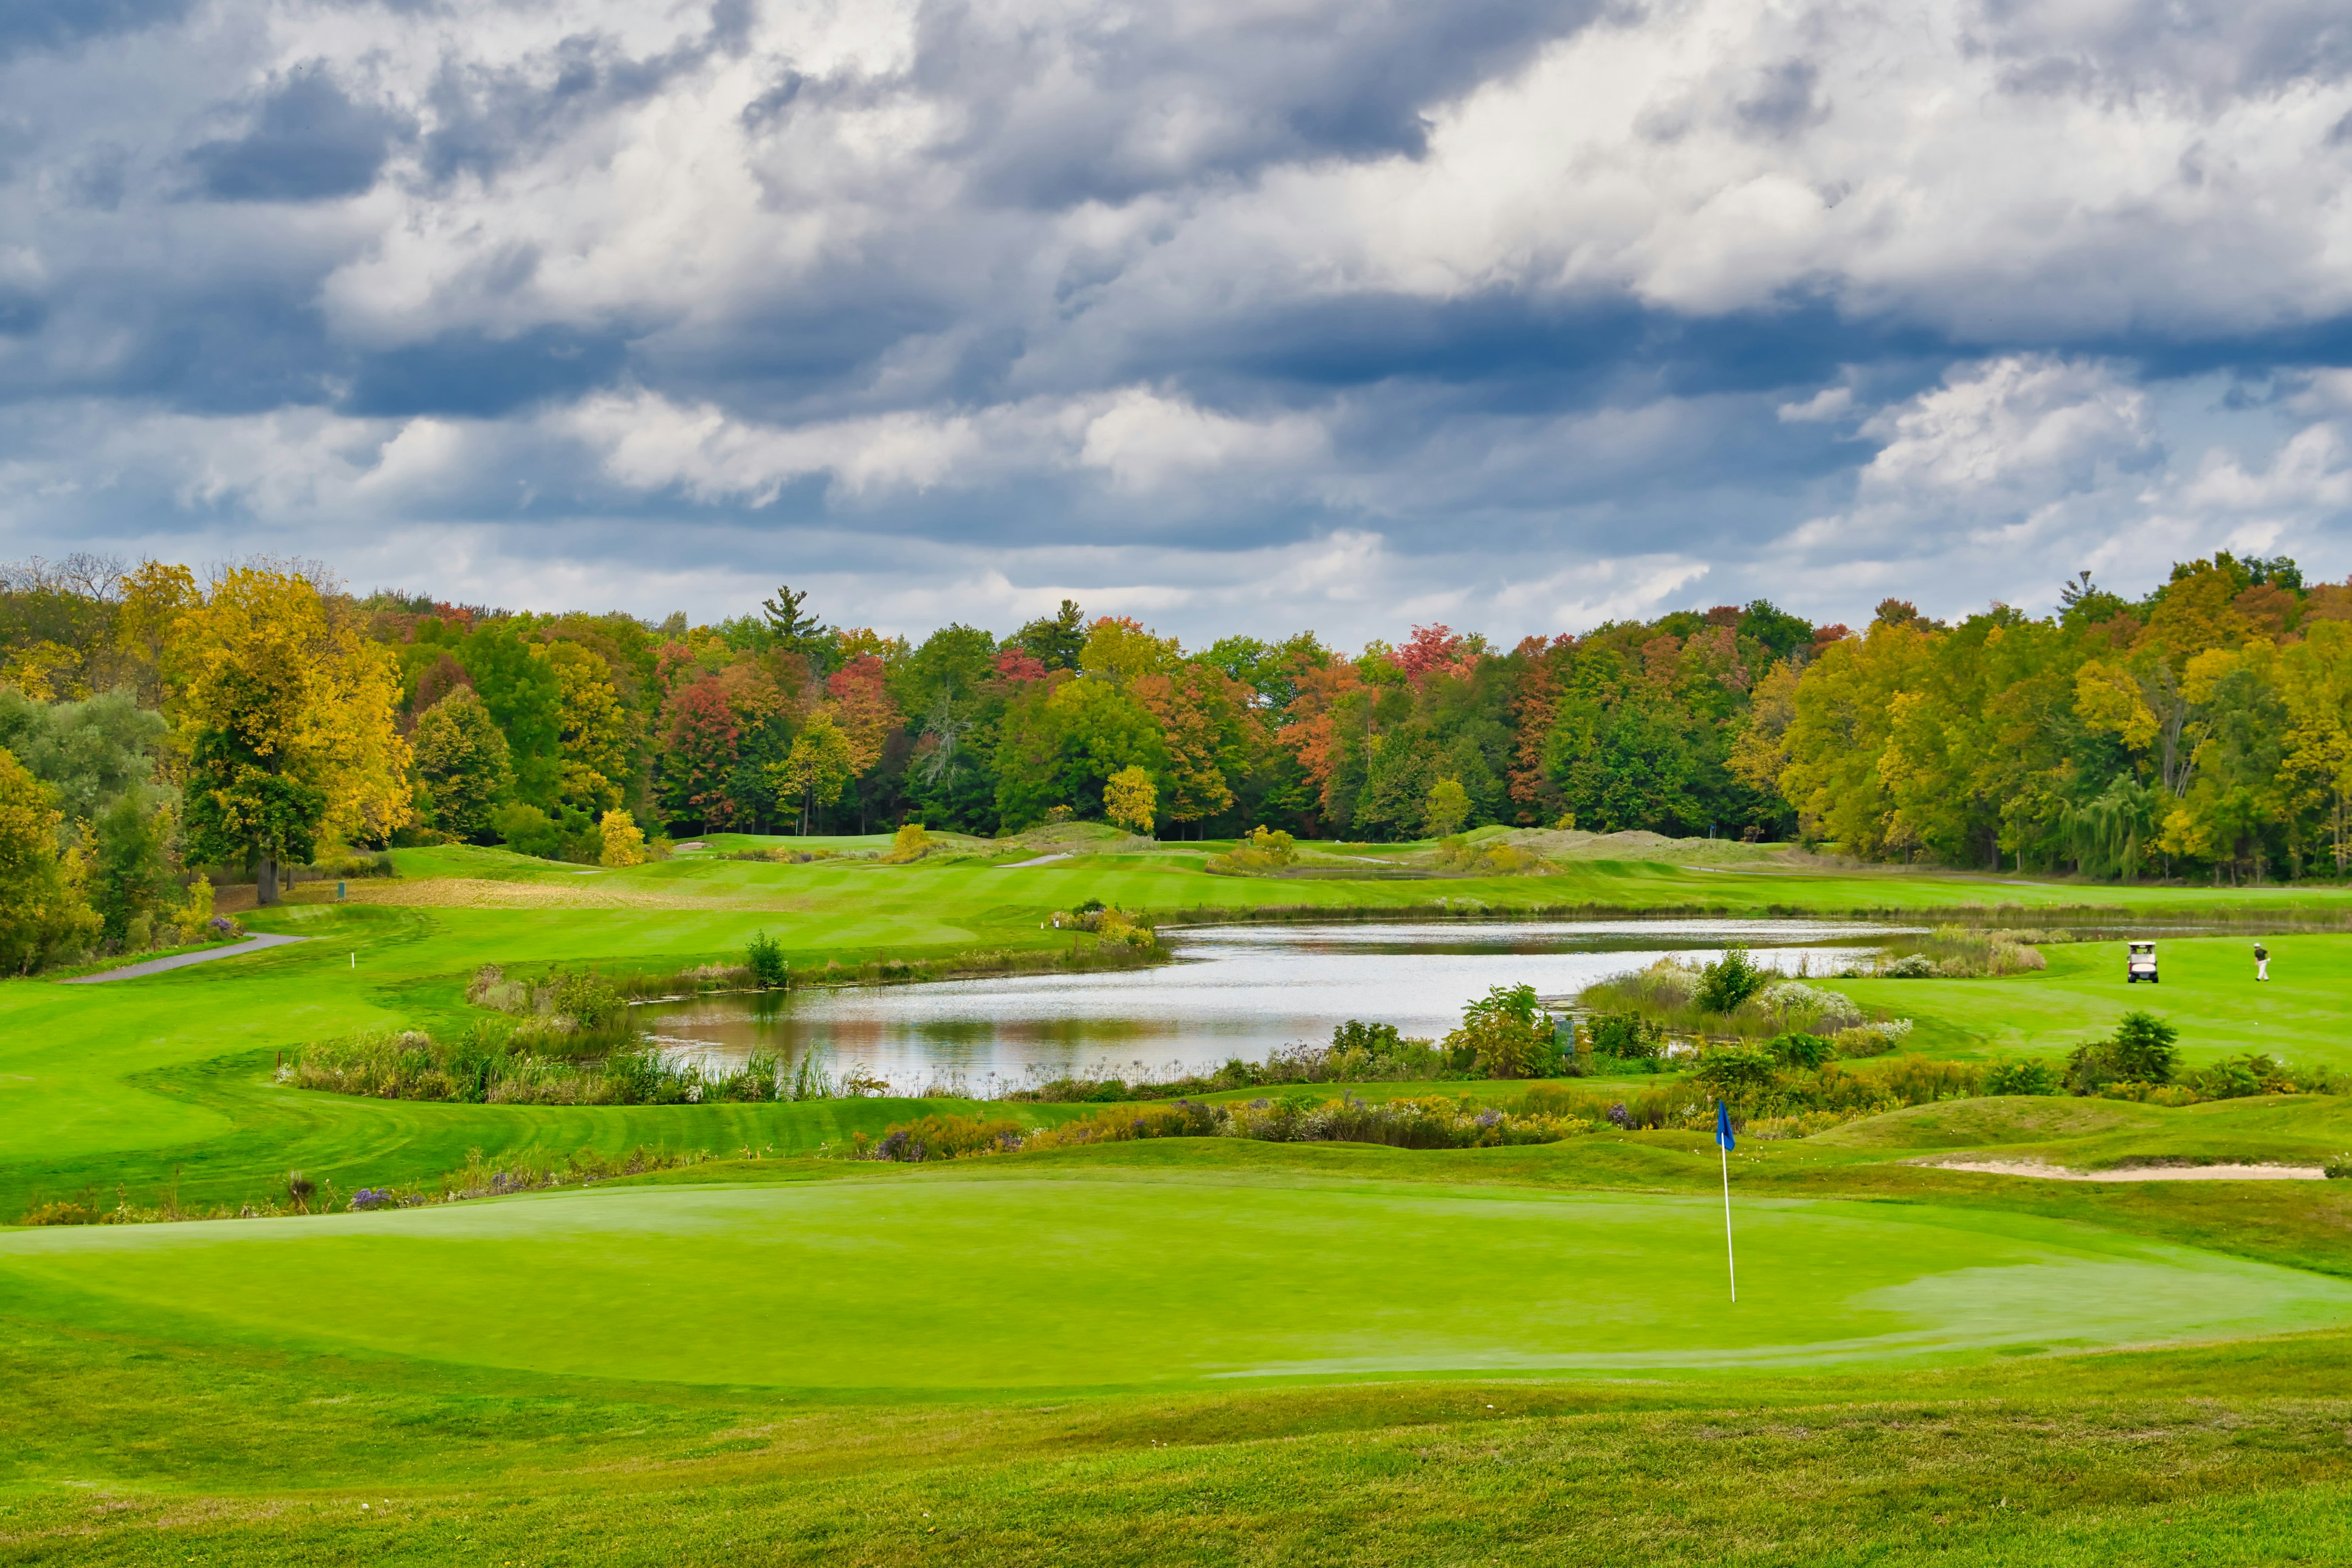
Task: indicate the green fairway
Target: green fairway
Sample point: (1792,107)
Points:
(1213,1351)
(962,1281)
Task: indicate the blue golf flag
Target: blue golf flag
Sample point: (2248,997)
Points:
(1723,1142)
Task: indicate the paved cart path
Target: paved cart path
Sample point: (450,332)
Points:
(181,961)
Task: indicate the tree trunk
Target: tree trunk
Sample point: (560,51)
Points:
(265,881)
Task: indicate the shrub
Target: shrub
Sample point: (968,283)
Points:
(1507,1034)
(947,1137)
(1729,980)
(1258,852)
(2143,1050)
(1113,927)
(1490,859)
(1798,1049)
(1628,1036)
(910,843)
(1871,1039)
(2144,1047)
(1798,1005)
(2030,1075)
(1910,966)
(2339,1169)
(764,957)
(62,1212)
(2236,1077)
(367,1198)
(1735,1072)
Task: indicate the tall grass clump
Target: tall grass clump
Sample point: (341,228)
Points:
(1635,1016)
(1358,1053)
(1955,952)
(499,1064)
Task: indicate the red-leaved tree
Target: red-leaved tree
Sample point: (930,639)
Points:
(699,745)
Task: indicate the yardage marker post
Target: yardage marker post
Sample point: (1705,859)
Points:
(1723,1147)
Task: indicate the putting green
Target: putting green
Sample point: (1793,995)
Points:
(947,1281)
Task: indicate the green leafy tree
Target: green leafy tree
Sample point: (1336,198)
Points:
(1729,980)
(91,753)
(794,630)
(132,882)
(518,683)
(1056,640)
(1059,745)
(463,763)
(43,915)
(1447,808)
(764,957)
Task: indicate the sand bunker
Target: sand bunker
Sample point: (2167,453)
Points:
(2135,1173)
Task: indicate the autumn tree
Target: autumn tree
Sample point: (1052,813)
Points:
(286,716)
(820,766)
(699,755)
(1130,801)
(623,840)
(591,729)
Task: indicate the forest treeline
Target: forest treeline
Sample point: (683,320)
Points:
(262,715)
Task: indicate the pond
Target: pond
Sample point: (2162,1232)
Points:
(1233,990)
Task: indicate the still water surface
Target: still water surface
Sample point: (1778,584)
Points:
(1234,990)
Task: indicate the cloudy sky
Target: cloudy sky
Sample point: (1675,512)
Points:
(1518,314)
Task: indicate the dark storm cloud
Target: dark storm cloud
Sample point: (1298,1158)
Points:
(1352,83)
(308,142)
(478,376)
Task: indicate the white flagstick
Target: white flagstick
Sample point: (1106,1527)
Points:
(1731,1262)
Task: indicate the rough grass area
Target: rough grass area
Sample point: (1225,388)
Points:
(114,1453)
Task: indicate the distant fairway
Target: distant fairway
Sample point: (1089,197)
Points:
(977,1280)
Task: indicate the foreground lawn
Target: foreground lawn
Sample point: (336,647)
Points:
(993,1275)
(879,1370)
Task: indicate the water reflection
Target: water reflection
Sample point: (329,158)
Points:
(1235,991)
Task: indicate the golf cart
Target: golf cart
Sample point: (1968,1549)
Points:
(2140,961)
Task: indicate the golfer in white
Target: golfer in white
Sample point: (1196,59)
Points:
(2261,962)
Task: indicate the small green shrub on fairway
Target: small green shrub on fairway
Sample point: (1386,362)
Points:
(2031,1075)
(2143,1050)
(2241,1076)
(2338,1169)
(764,957)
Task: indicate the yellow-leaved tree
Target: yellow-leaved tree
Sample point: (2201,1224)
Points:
(284,712)
(594,739)
(624,841)
(1130,800)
